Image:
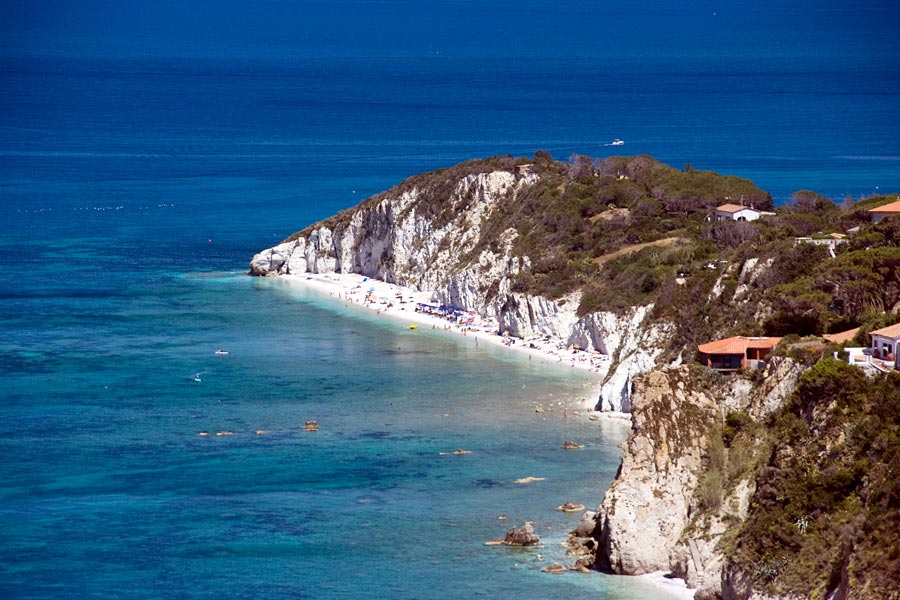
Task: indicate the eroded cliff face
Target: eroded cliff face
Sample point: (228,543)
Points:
(665,511)
(646,508)
(402,238)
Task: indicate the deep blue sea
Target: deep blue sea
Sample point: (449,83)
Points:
(147,151)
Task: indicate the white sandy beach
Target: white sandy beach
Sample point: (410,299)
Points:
(670,585)
(398,302)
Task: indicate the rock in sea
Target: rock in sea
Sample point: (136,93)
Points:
(555,568)
(524,536)
(570,507)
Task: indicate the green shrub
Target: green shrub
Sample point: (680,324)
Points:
(736,422)
(709,491)
(827,495)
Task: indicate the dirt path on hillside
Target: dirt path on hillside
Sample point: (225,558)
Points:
(663,243)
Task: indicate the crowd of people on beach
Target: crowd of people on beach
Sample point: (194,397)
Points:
(402,302)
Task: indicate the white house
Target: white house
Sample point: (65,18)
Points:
(736,212)
(885,342)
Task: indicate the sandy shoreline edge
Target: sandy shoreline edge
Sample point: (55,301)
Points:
(399,303)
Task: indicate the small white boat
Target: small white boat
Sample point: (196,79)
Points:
(617,142)
(220,352)
(197,378)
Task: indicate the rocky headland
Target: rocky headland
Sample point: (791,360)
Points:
(778,483)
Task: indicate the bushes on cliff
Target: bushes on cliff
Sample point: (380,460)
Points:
(712,481)
(710,489)
(827,500)
(633,279)
(736,422)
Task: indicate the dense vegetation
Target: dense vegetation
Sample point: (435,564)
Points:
(582,213)
(826,512)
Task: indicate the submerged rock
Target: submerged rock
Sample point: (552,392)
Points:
(523,480)
(555,568)
(570,507)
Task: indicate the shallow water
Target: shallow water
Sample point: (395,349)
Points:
(112,489)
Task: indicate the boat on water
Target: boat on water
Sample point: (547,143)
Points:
(197,378)
(220,352)
(617,142)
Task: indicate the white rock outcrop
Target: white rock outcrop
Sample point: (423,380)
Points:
(647,507)
(652,517)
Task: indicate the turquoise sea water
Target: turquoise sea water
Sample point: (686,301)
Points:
(109,489)
(146,155)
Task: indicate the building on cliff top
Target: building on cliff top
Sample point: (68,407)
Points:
(885,342)
(523,170)
(736,212)
(841,336)
(738,352)
(886,210)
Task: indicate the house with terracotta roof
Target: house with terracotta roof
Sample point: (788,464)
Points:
(736,212)
(886,343)
(738,352)
(884,211)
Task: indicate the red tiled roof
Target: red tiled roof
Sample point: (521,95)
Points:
(893,207)
(738,344)
(842,336)
(731,208)
(891,331)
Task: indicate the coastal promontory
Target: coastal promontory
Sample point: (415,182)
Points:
(579,250)
(754,346)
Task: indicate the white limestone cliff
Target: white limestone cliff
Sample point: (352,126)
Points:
(647,507)
(652,517)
